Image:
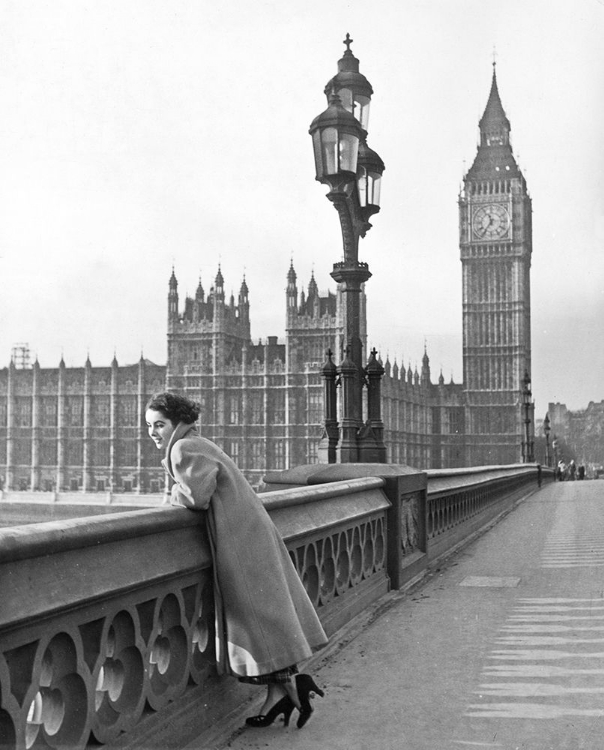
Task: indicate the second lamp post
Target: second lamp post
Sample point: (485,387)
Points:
(353,172)
(546,431)
(527,397)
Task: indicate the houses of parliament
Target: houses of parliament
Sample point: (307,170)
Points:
(81,429)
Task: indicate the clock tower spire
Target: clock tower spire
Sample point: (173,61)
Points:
(495,246)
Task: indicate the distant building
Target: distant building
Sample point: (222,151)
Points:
(82,428)
(78,428)
(582,431)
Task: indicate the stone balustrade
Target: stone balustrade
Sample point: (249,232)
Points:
(106,622)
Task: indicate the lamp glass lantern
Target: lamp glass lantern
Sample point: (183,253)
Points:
(369,184)
(369,177)
(526,389)
(357,104)
(335,152)
(336,135)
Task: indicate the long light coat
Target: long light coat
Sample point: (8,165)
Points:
(264,618)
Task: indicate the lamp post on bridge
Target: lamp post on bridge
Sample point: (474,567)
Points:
(527,444)
(352,171)
(546,432)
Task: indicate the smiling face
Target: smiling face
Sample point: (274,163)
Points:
(159,427)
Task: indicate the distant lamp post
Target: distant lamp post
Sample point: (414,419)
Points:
(555,448)
(353,172)
(527,443)
(546,432)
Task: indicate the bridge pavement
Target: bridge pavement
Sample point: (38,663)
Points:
(503,647)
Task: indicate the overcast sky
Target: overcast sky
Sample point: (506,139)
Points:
(138,134)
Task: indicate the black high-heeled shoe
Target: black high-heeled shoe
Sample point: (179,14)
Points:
(305,686)
(284,706)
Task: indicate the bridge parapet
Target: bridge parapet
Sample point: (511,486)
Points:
(106,622)
(462,501)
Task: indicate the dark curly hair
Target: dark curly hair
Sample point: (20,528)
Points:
(174,407)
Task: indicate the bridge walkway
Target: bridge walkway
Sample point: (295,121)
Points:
(502,647)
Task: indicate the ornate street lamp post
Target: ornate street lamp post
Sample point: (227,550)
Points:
(353,173)
(546,432)
(527,443)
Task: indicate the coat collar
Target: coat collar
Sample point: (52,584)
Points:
(182,430)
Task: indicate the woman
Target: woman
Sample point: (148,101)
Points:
(265,622)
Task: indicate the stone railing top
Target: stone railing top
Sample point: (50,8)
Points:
(33,540)
(441,481)
(316,474)
(296,512)
(293,496)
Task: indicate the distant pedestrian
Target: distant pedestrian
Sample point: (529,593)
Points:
(572,470)
(561,470)
(581,472)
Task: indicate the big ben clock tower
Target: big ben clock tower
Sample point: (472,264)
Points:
(496,245)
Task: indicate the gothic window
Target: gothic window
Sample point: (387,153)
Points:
(233,451)
(100,411)
(456,421)
(205,413)
(49,412)
(128,452)
(74,453)
(22,452)
(257,408)
(278,455)
(315,407)
(234,402)
(130,416)
(23,412)
(3,413)
(48,453)
(258,455)
(101,453)
(277,407)
(73,411)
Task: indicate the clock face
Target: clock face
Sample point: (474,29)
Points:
(491,221)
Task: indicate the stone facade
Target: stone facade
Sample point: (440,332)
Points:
(78,428)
